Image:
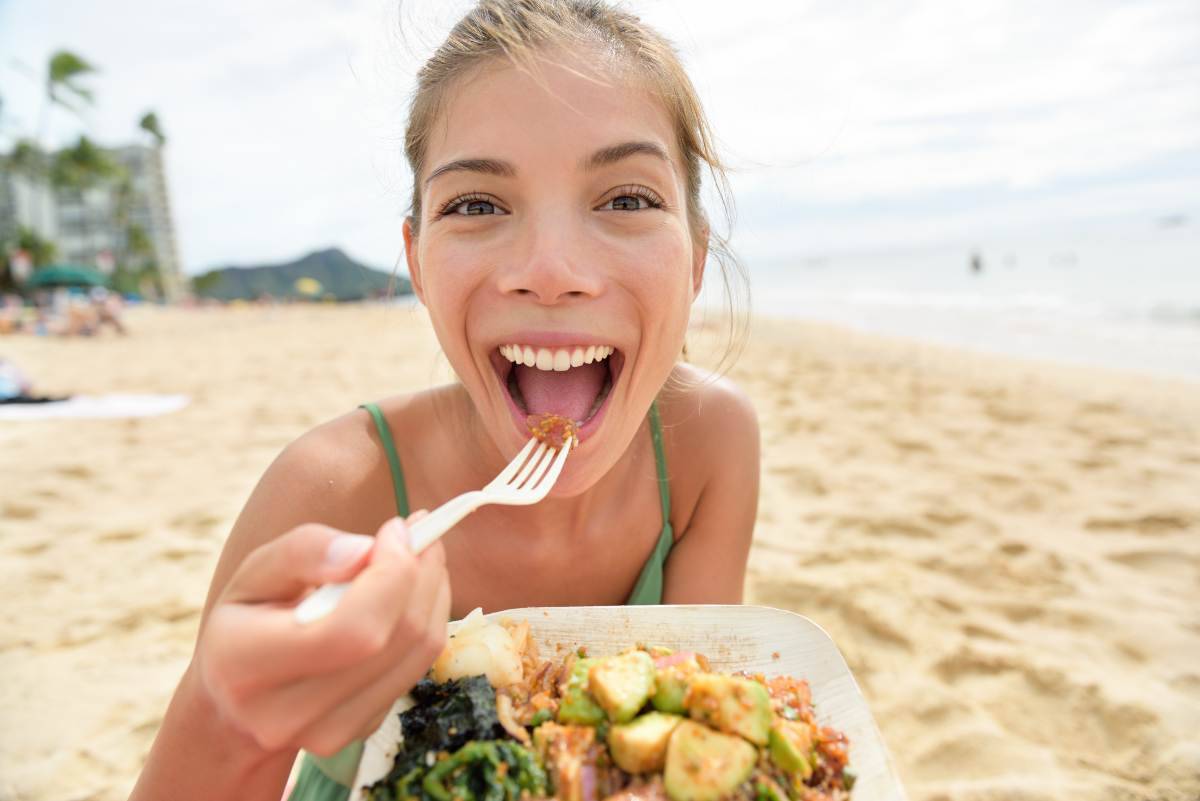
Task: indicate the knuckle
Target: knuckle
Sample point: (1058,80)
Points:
(432,642)
(432,647)
(410,626)
(271,735)
(298,538)
(363,640)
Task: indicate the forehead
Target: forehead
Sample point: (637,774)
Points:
(570,108)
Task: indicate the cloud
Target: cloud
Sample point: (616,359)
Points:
(285,118)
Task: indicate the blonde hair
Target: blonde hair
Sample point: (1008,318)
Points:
(518,30)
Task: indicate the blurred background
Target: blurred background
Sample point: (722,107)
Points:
(972,232)
(999,174)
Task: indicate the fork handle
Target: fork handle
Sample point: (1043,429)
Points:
(421,535)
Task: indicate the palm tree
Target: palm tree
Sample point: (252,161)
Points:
(66,68)
(150,124)
(63,74)
(152,269)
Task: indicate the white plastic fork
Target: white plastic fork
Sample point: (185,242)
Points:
(527,479)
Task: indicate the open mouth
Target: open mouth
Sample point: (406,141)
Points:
(573,382)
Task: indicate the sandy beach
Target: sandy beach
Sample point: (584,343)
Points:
(1007,553)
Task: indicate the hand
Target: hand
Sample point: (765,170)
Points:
(321,685)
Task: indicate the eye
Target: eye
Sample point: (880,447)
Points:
(470,205)
(628,203)
(475,207)
(632,198)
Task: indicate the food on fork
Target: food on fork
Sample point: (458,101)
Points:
(497,722)
(553,429)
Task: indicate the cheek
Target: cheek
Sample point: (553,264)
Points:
(663,277)
(450,276)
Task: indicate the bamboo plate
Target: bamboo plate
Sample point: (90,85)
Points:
(751,638)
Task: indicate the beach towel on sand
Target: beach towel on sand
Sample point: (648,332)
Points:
(95,407)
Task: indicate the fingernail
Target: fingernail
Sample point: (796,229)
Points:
(347,549)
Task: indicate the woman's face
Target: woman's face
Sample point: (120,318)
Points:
(554,228)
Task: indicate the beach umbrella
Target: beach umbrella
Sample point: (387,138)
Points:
(66,275)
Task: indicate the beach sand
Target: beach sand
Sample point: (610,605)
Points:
(1007,553)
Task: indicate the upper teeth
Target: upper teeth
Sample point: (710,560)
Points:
(555,358)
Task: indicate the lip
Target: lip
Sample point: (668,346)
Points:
(553,339)
(547,339)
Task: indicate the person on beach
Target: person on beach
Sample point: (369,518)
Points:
(558,242)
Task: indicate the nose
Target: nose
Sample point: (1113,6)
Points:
(551,265)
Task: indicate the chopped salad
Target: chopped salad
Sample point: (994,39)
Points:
(497,722)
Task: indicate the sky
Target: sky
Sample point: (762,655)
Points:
(851,125)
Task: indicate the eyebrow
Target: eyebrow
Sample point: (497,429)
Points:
(611,155)
(486,166)
(601,158)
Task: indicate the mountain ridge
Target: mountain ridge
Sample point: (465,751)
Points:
(340,277)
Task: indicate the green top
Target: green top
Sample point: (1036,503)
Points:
(329,778)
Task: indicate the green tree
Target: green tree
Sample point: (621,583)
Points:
(82,166)
(27,159)
(62,80)
(150,124)
(41,251)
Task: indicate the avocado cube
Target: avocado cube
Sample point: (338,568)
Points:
(640,746)
(730,704)
(671,679)
(578,706)
(705,765)
(622,684)
(791,747)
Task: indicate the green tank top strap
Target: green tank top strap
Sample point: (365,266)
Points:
(649,587)
(327,778)
(660,463)
(393,457)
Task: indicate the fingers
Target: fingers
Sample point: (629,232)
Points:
(260,645)
(358,715)
(369,606)
(416,639)
(328,680)
(304,557)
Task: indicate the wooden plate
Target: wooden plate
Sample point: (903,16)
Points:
(752,638)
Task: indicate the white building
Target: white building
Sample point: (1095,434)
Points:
(85,225)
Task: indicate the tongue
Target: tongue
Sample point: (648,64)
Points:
(570,393)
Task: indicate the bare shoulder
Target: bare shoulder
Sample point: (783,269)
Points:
(710,418)
(335,475)
(712,436)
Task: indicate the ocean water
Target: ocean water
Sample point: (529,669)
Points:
(1129,302)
